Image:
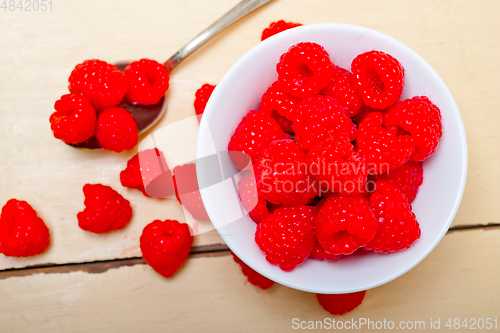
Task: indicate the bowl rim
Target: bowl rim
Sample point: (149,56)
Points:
(204,133)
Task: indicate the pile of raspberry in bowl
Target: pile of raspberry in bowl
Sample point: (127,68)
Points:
(333,158)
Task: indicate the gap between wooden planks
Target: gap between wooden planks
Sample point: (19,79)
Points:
(198,251)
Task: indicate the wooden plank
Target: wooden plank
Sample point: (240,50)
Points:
(459,39)
(457,280)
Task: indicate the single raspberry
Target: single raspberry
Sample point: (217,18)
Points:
(422,119)
(22,232)
(148,172)
(345,224)
(147,82)
(202,96)
(337,167)
(74,120)
(305,69)
(187,191)
(105,209)
(254,204)
(102,83)
(285,124)
(165,245)
(277,99)
(342,89)
(398,228)
(379,78)
(383,151)
(319,253)
(364,112)
(286,236)
(277,27)
(318,117)
(338,304)
(255,131)
(408,178)
(116,130)
(282,175)
(253,277)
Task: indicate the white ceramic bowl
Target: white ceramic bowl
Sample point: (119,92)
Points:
(438,198)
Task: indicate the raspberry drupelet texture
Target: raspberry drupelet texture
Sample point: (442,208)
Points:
(202,96)
(277,27)
(337,167)
(344,224)
(282,174)
(379,78)
(383,151)
(318,117)
(74,120)
(305,69)
(165,245)
(342,89)
(22,232)
(286,236)
(408,178)
(147,82)
(338,304)
(422,119)
(398,228)
(253,277)
(364,112)
(277,99)
(255,131)
(148,172)
(254,204)
(116,130)
(187,191)
(102,83)
(319,253)
(285,124)
(105,209)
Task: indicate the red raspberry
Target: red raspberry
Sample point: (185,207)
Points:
(319,253)
(379,78)
(286,236)
(187,191)
(253,203)
(305,69)
(383,151)
(22,232)
(202,96)
(345,224)
(253,277)
(277,27)
(102,83)
(338,304)
(165,245)
(116,130)
(342,89)
(147,82)
(105,209)
(398,228)
(364,112)
(337,166)
(255,131)
(148,172)
(319,116)
(421,119)
(277,99)
(74,120)
(285,124)
(282,174)
(408,178)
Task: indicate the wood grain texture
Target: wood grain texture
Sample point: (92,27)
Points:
(39,49)
(210,295)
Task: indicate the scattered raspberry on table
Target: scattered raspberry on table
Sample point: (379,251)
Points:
(202,96)
(187,191)
(253,277)
(277,27)
(165,245)
(147,82)
(22,232)
(339,304)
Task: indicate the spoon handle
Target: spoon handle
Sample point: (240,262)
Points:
(241,9)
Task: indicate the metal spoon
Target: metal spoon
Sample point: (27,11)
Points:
(147,116)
